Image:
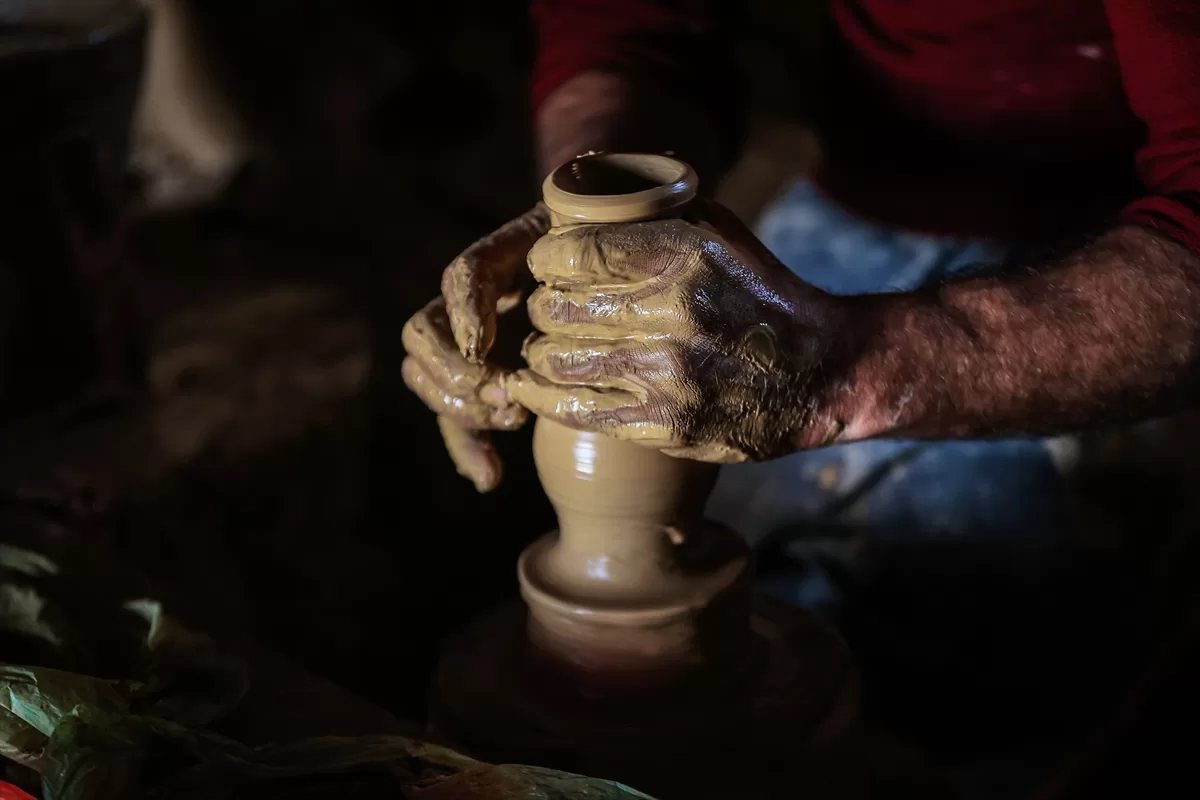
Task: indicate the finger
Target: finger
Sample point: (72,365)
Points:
(475,281)
(617,412)
(582,407)
(426,337)
(473,455)
(612,255)
(600,363)
(605,313)
(466,410)
(711,453)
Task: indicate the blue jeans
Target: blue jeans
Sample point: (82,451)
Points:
(1008,488)
(948,565)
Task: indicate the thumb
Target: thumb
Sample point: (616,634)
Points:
(475,282)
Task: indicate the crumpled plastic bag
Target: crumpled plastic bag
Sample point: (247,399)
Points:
(88,738)
(79,734)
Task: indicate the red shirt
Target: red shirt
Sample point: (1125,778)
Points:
(1010,118)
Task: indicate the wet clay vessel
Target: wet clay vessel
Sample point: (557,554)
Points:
(640,653)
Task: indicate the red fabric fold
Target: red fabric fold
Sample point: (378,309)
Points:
(676,43)
(1174,217)
(1158,44)
(1011,102)
(661,38)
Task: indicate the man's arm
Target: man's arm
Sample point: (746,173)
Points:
(1109,333)
(634,75)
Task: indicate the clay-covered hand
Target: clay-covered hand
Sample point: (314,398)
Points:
(685,335)
(448,343)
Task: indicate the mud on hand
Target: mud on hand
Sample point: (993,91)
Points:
(685,335)
(448,342)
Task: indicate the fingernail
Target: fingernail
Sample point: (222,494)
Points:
(470,349)
(486,483)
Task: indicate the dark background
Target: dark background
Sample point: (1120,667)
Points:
(383,147)
(187,385)
(225,425)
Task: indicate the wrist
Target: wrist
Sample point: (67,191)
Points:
(868,383)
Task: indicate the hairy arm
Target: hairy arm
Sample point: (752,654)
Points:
(1107,334)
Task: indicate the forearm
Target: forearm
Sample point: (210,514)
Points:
(1108,334)
(606,111)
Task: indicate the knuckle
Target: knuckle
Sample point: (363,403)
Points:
(410,372)
(458,275)
(471,415)
(539,248)
(415,325)
(436,314)
(678,403)
(576,363)
(664,414)
(509,418)
(422,326)
(530,346)
(567,311)
(676,300)
(451,273)
(619,362)
(549,250)
(465,263)
(618,417)
(536,307)
(549,307)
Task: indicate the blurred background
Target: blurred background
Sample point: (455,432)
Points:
(201,313)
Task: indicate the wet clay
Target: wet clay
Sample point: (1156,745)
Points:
(640,651)
(448,344)
(618,187)
(633,591)
(684,335)
(633,586)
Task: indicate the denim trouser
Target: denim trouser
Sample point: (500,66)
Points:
(1005,488)
(942,561)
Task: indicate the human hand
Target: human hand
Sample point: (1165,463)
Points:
(449,340)
(685,335)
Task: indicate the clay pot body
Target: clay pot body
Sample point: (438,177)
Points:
(622,591)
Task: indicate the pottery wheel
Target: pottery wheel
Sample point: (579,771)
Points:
(778,721)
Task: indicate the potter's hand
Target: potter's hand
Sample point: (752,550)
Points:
(683,335)
(448,343)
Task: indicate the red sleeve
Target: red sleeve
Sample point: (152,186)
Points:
(676,42)
(1158,45)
